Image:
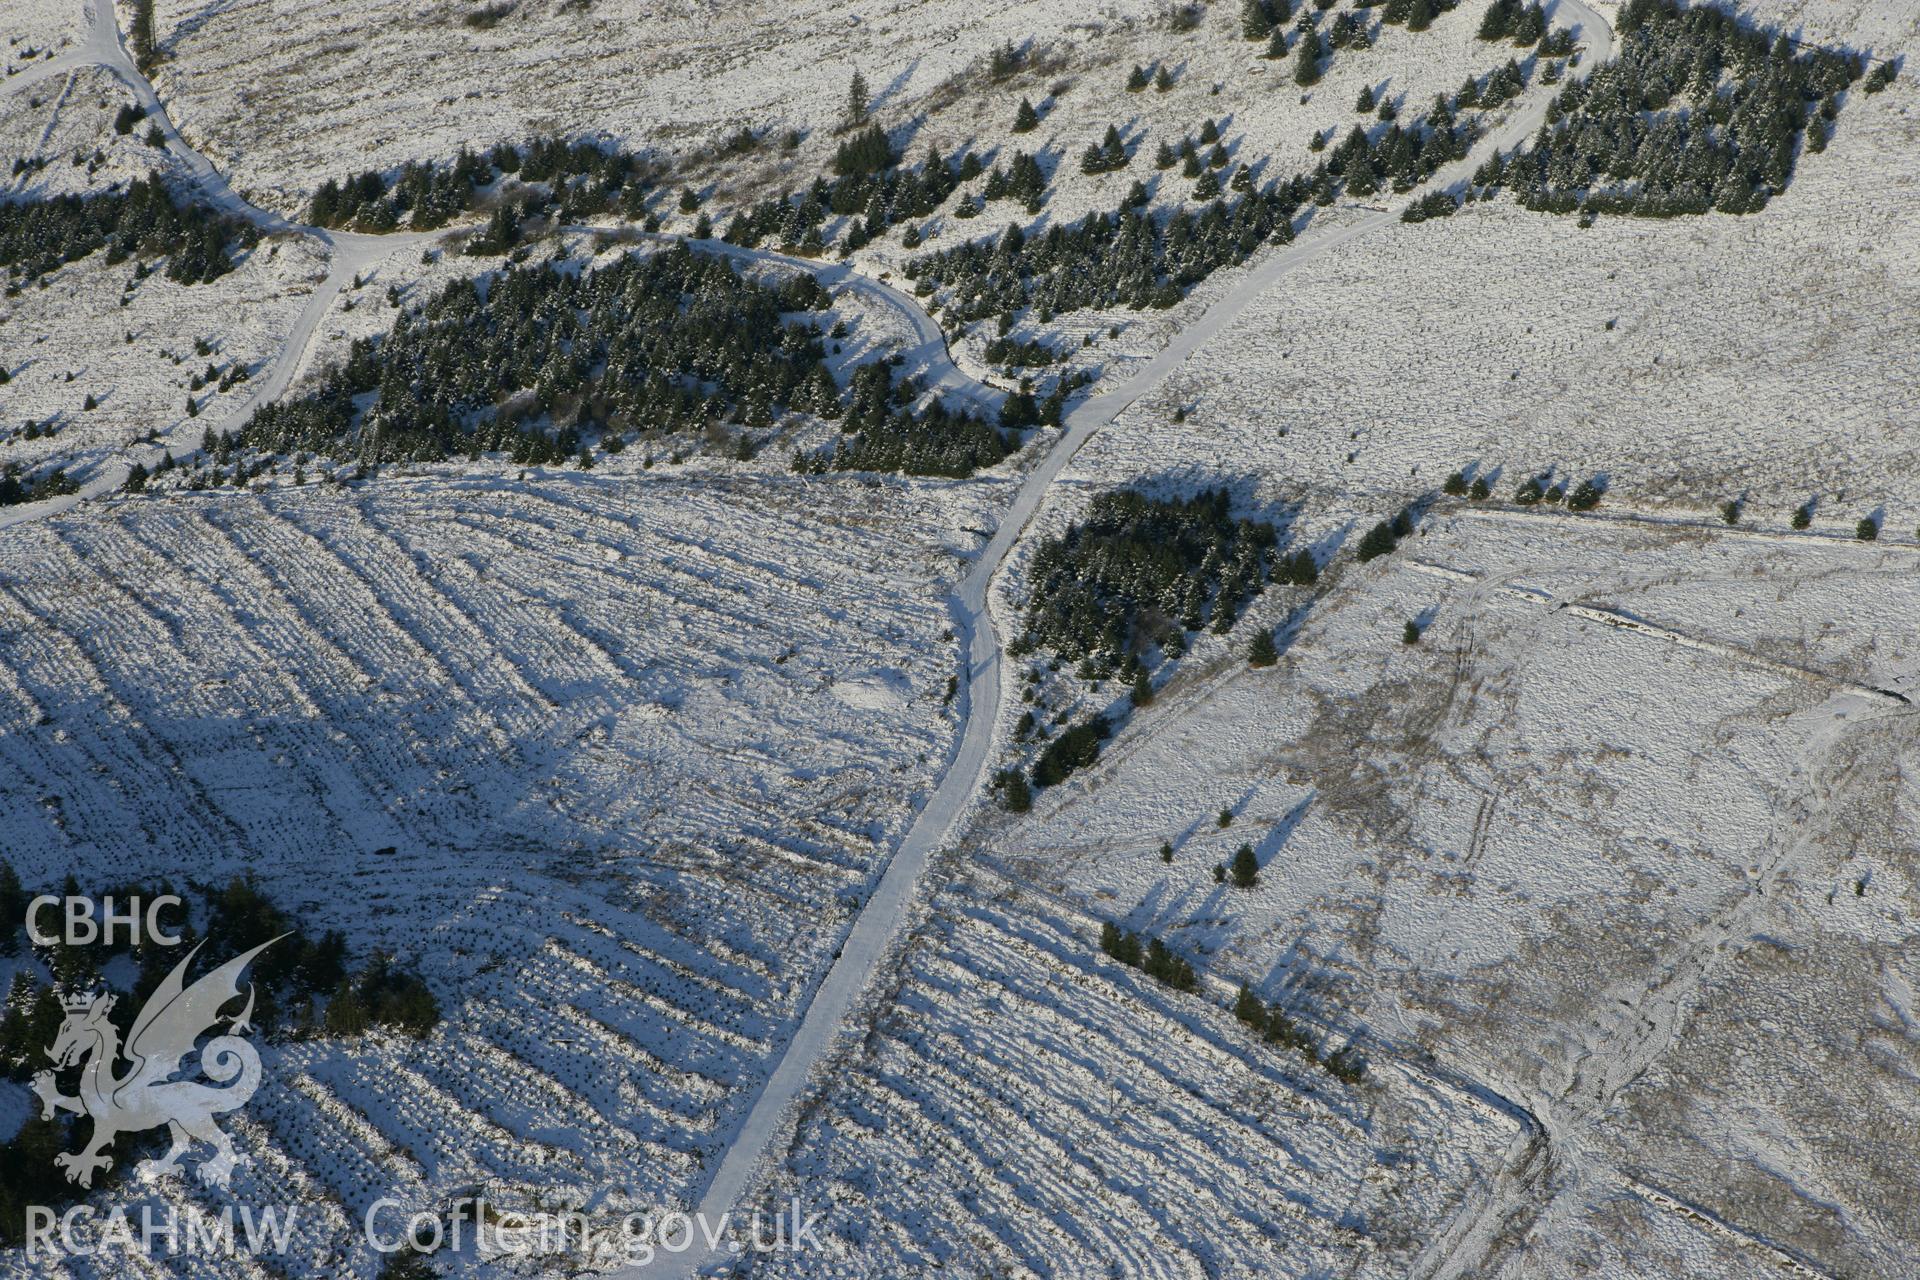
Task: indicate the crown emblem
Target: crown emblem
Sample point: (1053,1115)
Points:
(78,1001)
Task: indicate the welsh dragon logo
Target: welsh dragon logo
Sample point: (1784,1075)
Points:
(145,1096)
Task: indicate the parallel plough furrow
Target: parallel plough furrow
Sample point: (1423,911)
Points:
(694,1024)
(136,776)
(1036,1183)
(414,606)
(595,1098)
(334,1142)
(323,584)
(256,590)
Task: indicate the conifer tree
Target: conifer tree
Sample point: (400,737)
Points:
(1164,966)
(1529,26)
(1498,22)
(1246,868)
(1261,651)
(857,99)
(140,35)
(1378,541)
(1026,119)
(1306,67)
(1362,180)
(1122,944)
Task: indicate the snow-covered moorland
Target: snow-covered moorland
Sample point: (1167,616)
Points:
(264,86)
(1618,836)
(608,763)
(1584,831)
(1024,1100)
(99,353)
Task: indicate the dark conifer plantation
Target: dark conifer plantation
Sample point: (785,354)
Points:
(38,236)
(866,152)
(582,179)
(1131,257)
(884,434)
(671,338)
(1134,560)
(1075,749)
(528,359)
(17,487)
(877,199)
(1699,110)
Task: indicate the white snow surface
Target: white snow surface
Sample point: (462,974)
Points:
(1610,874)
(1602,869)
(599,726)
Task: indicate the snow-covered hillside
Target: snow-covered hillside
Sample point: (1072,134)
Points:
(102,354)
(36,34)
(267,87)
(1617,837)
(693,776)
(1023,1098)
(169,334)
(1691,360)
(609,763)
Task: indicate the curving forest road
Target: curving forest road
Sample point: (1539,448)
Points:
(104,46)
(826,1021)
